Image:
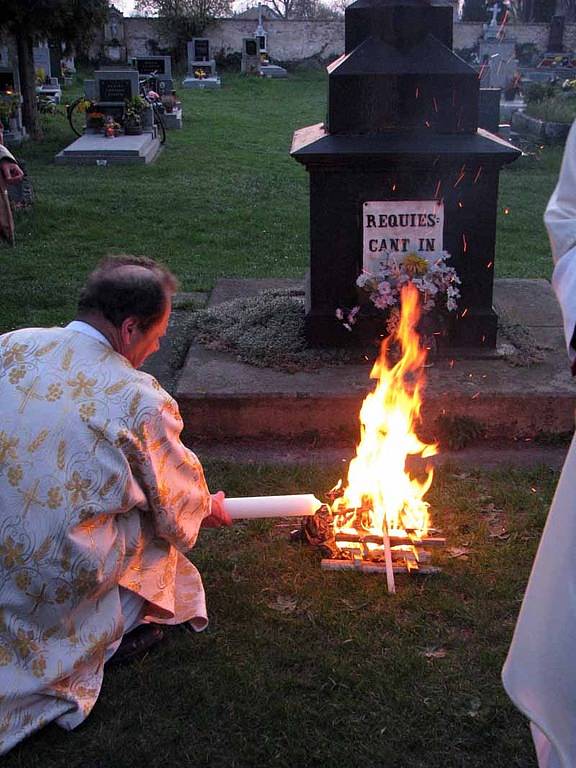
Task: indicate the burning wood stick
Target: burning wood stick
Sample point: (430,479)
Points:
(254,507)
(388,559)
(395,541)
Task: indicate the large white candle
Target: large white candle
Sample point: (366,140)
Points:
(252,507)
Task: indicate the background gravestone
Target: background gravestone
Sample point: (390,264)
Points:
(201,65)
(159,71)
(251,60)
(14,131)
(401,135)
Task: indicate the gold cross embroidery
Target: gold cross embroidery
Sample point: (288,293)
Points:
(39,599)
(29,393)
(100,435)
(31,497)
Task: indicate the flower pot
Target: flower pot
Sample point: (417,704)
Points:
(131,129)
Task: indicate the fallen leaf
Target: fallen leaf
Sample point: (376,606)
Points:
(283,604)
(434,653)
(461,552)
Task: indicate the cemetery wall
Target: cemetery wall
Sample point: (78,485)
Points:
(297,39)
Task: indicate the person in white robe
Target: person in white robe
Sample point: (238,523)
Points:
(539,674)
(99,498)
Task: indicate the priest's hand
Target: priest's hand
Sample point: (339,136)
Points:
(218,516)
(11,172)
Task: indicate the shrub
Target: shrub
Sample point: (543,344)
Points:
(535,93)
(553,110)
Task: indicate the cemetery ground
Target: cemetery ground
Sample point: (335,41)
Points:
(303,667)
(298,667)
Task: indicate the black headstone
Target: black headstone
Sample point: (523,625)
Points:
(150,66)
(115,90)
(201,50)
(556,34)
(402,131)
(251,47)
(489,109)
(261,42)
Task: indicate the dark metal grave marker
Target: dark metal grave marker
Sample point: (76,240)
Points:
(251,47)
(401,136)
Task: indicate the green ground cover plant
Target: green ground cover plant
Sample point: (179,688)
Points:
(223,199)
(302,667)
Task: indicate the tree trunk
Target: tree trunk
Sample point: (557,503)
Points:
(30,118)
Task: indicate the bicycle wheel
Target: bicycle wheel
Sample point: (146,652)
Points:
(159,123)
(76,114)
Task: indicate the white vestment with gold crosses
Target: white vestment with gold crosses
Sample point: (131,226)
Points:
(97,493)
(540,672)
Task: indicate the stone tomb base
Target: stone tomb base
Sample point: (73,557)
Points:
(273,70)
(173,120)
(121,150)
(222,399)
(200,84)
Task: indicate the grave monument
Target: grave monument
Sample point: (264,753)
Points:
(158,71)
(10,97)
(266,68)
(110,91)
(401,148)
(497,54)
(251,57)
(201,66)
(47,60)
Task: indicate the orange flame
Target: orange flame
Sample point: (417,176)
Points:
(380,495)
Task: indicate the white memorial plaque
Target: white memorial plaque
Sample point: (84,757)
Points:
(401,227)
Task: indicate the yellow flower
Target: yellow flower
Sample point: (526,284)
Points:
(24,643)
(415,265)
(54,392)
(77,487)
(16,374)
(82,386)
(87,411)
(85,582)
(11,552)
(22,581)
(54,497)
(15,354)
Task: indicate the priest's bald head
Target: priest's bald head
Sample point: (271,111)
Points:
(129,300)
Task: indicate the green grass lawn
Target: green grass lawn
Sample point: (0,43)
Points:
(298,667)
(301,667)
(224,199)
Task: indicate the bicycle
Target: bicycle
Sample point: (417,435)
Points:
(153,99)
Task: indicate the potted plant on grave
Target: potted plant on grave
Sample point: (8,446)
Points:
(380,292)
(94,117)
(133,111)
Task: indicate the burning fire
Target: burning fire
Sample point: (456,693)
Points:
(380,497)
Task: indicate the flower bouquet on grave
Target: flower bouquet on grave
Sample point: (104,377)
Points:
(132,118)
(200,74)
(436,282)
